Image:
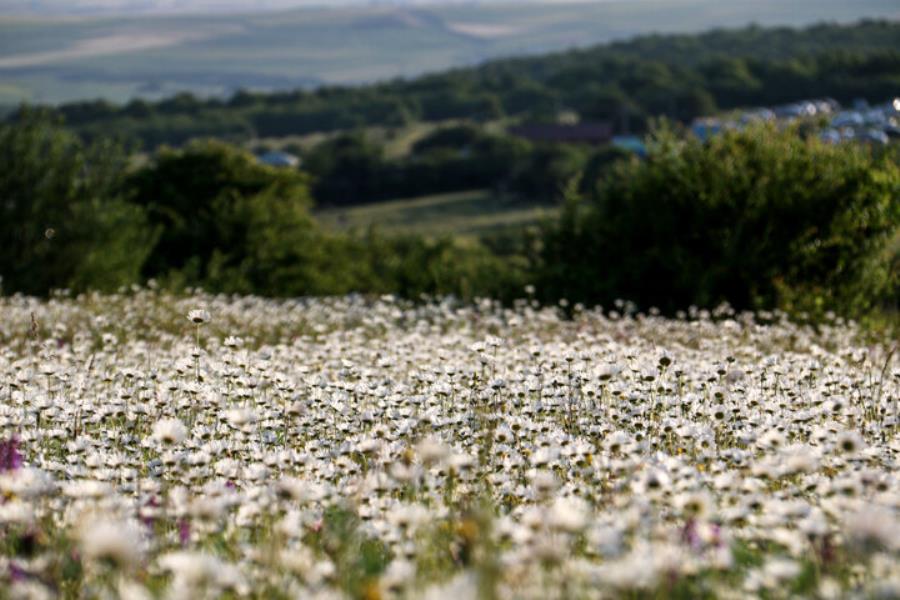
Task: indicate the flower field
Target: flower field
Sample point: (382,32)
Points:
(154,446)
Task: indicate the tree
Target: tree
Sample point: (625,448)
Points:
(758,218)
(225,219)
(63,220)
(346,169)
(548,170)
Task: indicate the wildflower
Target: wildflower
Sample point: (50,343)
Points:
(87,489)
(194,573)
(295,489)
(779,570)
(169,432)
(233,342)
(849,442)
(568,514)
(873,527)
(241,417)
(298,559)
(544,482)
(130,590)
(399,575)
(198,316)
(10,458)
(26,483)
(117,543)
(694,505)
(624,466)
(16,513)
(408,517)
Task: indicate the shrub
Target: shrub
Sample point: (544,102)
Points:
(757,218)
(411,265)
(63,220)
(225,219)
(232,225)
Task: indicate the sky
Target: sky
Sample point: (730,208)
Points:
(71,7)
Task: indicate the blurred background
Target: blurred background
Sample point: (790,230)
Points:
(64,50)
(669,152)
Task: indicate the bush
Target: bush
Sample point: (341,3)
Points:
(758,218)
(226,220)
(411,266)
(231,225)
(63,220)
(548,170)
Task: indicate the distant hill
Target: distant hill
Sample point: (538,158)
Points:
(60,59)
(624,84)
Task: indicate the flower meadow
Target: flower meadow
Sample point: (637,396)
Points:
(160,446)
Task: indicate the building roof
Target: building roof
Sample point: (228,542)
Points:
(277,158)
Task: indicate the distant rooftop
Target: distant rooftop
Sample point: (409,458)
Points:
(276,158)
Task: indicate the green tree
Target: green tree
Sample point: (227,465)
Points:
(758,218)
(347,169)
(548,170)
(63,220)
(226,220)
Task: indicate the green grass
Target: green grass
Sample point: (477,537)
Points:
(216,54)
(467,214)
(397,141)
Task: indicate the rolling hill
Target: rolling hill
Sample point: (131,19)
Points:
(52,60)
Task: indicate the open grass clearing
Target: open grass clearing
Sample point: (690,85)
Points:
(468,213)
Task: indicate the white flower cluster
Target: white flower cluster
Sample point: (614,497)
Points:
(350,447)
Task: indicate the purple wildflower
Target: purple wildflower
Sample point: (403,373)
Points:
(16,573)
(184,532)
(690,535)
(148,520)
(10,458)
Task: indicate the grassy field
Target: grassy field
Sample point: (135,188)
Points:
(467,214)
(118,58)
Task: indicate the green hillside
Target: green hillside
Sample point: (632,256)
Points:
(678,76)
(468,214)
(52,61)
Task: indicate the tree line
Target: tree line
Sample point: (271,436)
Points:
(354,168)
(760,218)
(629,83)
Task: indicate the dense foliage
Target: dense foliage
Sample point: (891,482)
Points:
(208,215)
(678,76)
(758,218)
(224,217)
(354,169)
(63,219)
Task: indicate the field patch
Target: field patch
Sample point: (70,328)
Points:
(467,213)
